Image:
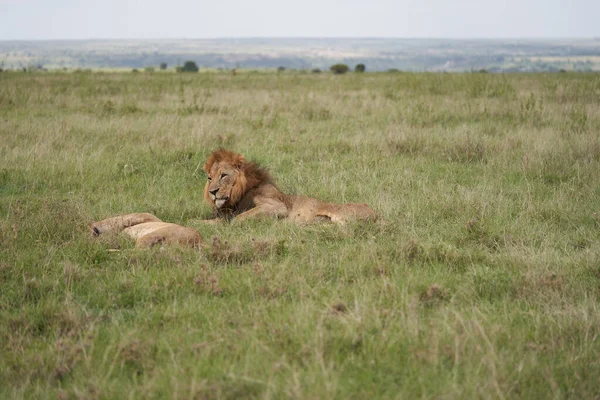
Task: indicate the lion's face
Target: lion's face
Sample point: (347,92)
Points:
(224,185)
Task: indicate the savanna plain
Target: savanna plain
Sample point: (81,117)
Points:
(481,278)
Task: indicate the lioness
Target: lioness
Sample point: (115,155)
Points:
(240,189)
(148,230)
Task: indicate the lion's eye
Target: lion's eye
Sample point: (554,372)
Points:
(223,176)
(209,178)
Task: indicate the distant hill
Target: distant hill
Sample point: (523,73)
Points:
(378,54)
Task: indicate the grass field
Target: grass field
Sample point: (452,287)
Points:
(480,280)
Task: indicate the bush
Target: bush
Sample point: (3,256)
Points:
(316,71)
(339,68)
(360,68)
(135,70)
(189,66)
(280,69)
(163,66)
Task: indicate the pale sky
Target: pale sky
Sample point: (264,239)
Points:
(137,19)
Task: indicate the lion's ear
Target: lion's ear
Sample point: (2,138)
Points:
(209,163)
(239,161)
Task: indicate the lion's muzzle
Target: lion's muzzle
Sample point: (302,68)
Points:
(219,202)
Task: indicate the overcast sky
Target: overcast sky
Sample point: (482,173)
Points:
(82,19)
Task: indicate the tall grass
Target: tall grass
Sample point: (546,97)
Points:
(481,279)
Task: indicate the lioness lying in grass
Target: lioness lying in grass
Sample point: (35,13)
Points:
(148,230)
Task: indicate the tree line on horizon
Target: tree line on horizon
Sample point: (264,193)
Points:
(340,68)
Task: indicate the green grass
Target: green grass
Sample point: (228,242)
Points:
(481,279)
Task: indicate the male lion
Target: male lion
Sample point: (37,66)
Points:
(240,189)
(148,230)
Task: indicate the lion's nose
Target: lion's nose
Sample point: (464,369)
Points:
(213,192)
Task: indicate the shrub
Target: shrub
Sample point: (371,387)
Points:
(339,68)
(360,68)
(316,71)
(163,66)
(135,70)
(280,69)
(189,66)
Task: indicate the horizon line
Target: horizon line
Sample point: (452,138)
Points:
(457,38)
